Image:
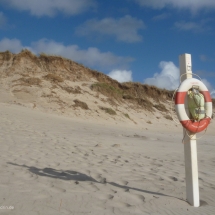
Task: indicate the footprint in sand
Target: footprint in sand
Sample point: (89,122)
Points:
(110,196)
(173,178)
(94,187)
(59,189)
(124,182)
(139,136)
(103,180)
(153,139)
(125,205)
(116,145)
(139,197)
(114,191)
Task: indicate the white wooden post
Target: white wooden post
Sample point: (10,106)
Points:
(190,149)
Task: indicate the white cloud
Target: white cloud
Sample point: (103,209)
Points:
(203,58)
(162,16)
(3,19)
(213,94)
(121,75)
(51,7)
(210,87)
(124,29)
(168,78)
(207,84)
(188,26)
(12,45)
(206,58)
(200,26)
(193,5)
(203,73)
(91,57)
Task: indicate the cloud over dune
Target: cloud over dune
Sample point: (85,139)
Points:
(168,78)
(3,20)
(12,45)
(123,29)
(182,4)
(121,75)
(51,7)
(91,56)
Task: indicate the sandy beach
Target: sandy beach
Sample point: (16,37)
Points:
(77,142)
(52,164)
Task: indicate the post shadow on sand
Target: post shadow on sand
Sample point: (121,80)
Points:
(78,177)
(53,173)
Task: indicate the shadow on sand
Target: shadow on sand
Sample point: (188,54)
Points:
(78,177)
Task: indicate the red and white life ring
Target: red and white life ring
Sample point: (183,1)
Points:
(182,108)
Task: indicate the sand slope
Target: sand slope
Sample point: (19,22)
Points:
(52,164)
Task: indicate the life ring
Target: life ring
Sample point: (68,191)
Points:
(182,108)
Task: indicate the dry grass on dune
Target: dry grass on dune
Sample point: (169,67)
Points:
(28,81)
(80,104)
(108,110)
(58,71)
(134,93)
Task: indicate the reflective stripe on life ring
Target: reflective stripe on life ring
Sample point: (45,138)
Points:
(182,109)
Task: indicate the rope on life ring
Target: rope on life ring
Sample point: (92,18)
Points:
(180,106)
(173,96)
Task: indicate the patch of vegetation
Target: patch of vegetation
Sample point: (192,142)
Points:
(33,81)
(168,117)
(53,78)
(29,81)
(77,90)
(53,87)
(160,107)
(126,115)
(52,57)
(108,110)
(80,104)
(111,101)
(128,97)
(117,93)
(213,102)
(107,90)
(6,55)
(145,103)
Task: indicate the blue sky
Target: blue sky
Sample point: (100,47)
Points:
(130,40)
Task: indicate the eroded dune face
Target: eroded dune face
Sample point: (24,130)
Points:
(56,84)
